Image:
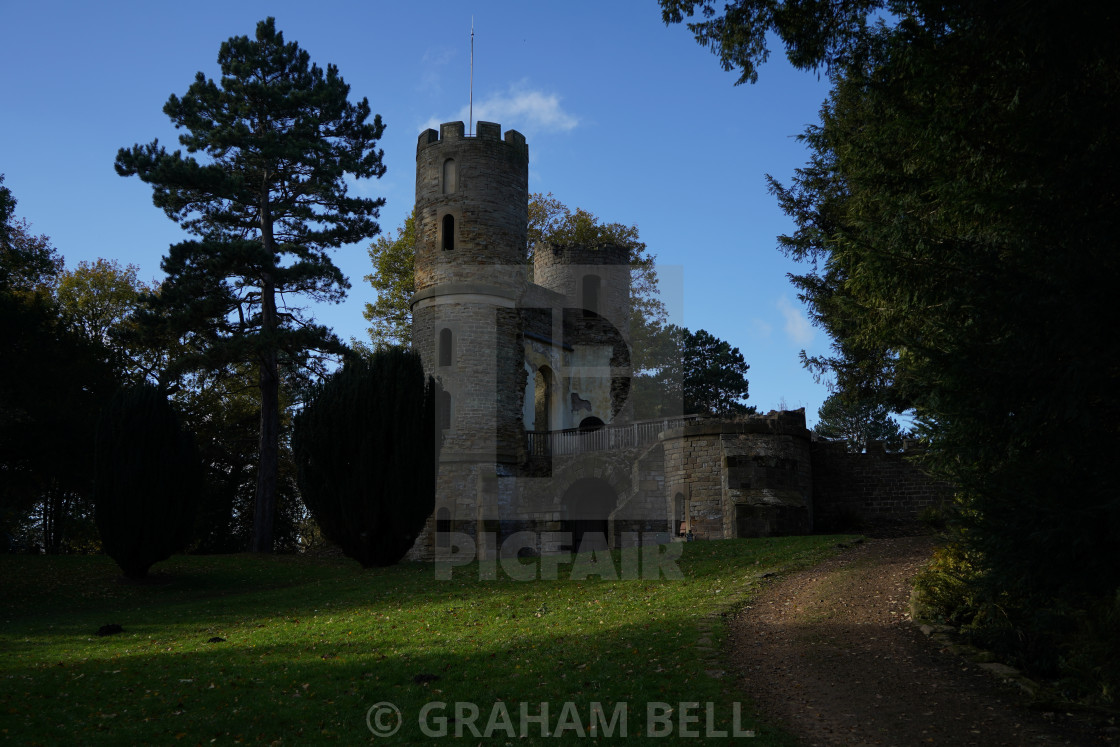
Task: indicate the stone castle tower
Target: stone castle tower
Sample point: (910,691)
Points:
(537,421)
(471,220)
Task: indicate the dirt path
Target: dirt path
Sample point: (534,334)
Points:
(830,653)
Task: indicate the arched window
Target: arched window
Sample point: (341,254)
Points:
(591,284)
(445,410)
(448,232)
(443,527)
(445,347)
(450,177)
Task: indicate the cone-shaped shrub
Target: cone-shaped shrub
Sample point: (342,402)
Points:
(147,480)
(365,448)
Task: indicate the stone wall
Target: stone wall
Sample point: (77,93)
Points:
(643,511)
(853,491)
(486,199)
(562,268)
(692,478)
(745,478)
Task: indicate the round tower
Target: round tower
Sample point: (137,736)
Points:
(471,216)
(595,279)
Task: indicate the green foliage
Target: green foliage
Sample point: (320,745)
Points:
(552,222)
(1090,665)
(960,212)
(945,589)
(987,242)
(814,34)
(393,279)
(281,140)
(715,376)
(857,423)
(7,213)
(147,480)
(694,371)
(366,449)
(28,263)
(99,300)
(97,297)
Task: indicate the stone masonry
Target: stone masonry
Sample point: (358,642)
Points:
(538,436)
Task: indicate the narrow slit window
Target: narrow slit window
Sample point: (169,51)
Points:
(443,528)
(445,410)
(450,177)
(590,294)
(448,232)
(445,347)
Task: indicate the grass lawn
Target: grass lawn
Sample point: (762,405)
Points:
(311,644)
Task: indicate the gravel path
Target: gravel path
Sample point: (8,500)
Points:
(830,654)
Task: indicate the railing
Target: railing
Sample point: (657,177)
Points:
(575,441)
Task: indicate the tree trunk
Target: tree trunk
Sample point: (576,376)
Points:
(264,508)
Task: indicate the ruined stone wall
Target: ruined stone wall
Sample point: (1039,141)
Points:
(562,268)
(768,484)
(851,491)
(746,478)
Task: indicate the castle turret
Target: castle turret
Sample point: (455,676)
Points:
(472,196)
(471,217)
(595,279)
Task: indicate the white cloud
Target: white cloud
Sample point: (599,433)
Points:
(797,325)
(519,109)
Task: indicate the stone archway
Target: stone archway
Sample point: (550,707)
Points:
(588,503)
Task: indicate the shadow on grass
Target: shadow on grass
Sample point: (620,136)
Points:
(320,688)
(311,645)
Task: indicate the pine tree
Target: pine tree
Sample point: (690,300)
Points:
(267,201)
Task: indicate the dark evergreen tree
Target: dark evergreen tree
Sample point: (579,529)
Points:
(692,373)
(366,449)
(147,480)
(269,199)
(960,212)
(715,376)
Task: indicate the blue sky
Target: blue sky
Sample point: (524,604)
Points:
(625,117)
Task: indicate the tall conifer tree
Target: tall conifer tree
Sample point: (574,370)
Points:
(277,137)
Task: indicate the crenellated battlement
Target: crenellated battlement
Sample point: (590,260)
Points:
(450,132)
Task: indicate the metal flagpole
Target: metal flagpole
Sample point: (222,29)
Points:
(470,127)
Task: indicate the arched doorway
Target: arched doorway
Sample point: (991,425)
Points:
(542,399)
(590,424)
(587,504)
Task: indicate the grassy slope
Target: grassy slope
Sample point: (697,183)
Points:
(312,644)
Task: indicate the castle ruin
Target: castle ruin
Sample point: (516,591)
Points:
(538,429)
